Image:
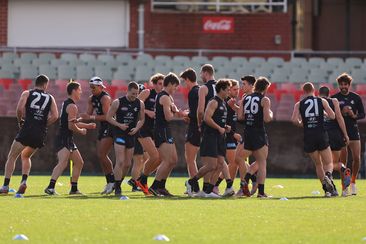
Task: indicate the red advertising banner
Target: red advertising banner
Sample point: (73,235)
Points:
(218,24)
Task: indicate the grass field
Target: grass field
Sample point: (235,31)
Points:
(304,218)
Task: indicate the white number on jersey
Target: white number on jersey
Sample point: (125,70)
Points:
(36,100)
(312,109)
(252,103)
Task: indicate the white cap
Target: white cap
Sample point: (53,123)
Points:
(96,81)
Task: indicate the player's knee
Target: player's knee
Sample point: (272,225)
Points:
(212,166)
(174,161)
(119,162)
(237,159)
(219,166)
(79,163)
(12,156)
(101,155)
(127,164)
(63,164)
(155,157)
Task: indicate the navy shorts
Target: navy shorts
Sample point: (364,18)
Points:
(65,141)
(336,139)
(353,132)
(213,145)
(231,142)
(254,139)
(315,141)
(163,135)
(147,130)
(105,131)
(125,140)
(138,148)
(30,138)
(193,135)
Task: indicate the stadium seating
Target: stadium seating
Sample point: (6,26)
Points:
(18,70)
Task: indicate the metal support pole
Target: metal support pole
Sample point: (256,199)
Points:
(141,31)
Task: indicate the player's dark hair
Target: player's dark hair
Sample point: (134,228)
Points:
(132,85)
(171,78)
(249,78)
(308,87)
(261,84)
(189,74)
(346,78)
(72,86)
(208,68)
(155,78)
(41,80)
(222,84)
(324,91)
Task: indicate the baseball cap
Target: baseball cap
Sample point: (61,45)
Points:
(96,81)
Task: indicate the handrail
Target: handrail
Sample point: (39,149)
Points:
(198,52)
(219,4)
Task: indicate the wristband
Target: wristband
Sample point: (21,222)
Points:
(92,117)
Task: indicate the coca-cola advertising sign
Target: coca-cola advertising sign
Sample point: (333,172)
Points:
(218,24)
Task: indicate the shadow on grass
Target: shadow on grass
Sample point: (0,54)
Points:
(97,196)
(140,196)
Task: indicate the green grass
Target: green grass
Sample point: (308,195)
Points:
(304,218)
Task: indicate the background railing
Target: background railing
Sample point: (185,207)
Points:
(189,52)
(221,6)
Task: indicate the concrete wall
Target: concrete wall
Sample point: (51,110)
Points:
(286,155)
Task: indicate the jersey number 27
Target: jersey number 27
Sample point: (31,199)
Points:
(37,99)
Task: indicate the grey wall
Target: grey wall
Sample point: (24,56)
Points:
(286,155)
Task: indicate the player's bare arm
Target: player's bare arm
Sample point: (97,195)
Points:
(295,118)
(106,103)
(53,116)
(240,111)
(72,112)
(202,92)
(141,120)
(233,105)
(267,112)
(167,107)
(328,109)
(339,118)
(211,107)
(143,96)
(21,106)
